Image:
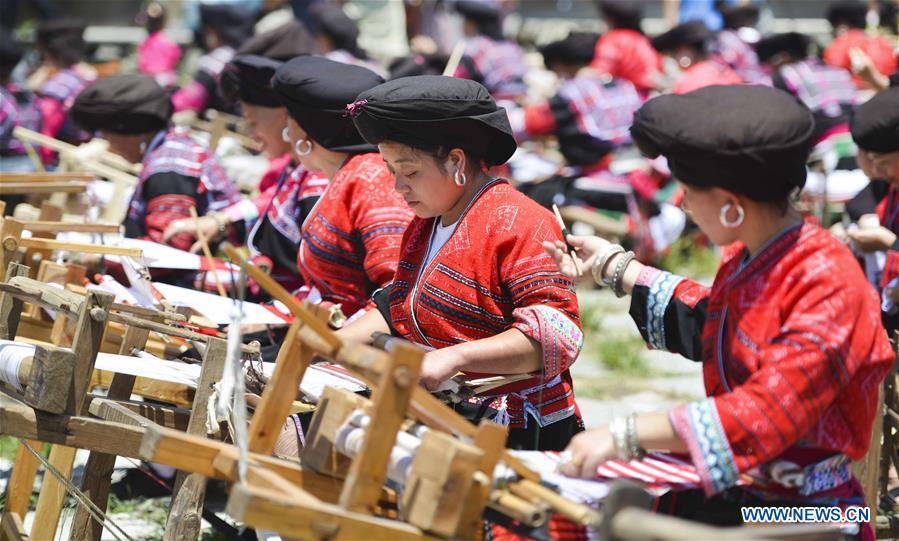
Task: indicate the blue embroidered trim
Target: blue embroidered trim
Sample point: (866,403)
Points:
(718,460)
(660,292)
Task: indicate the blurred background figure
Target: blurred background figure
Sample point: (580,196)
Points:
(337,36)
(17,108)
(62,75)
(489,58)
(223,28)
(733,44)
(157,54)
(849,20)
(687,46)
(624,51)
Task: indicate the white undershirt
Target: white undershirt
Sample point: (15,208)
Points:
(441,234)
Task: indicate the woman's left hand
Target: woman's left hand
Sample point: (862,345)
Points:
(872,239)
(588,450)
(438,366)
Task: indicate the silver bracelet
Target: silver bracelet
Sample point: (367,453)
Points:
(599,265)
(618,277)
(618,430)
(632,439)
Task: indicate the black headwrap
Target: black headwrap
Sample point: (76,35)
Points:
(331,20)
(577,49)
(792,43)
(131,104)
(63,38)
(693,33)
(736,17)
(875,124)
(316,90)
(623,13)
(485,14)
(10,53)
(432,110)
(850,13)
(248,78)
(419,64)
(287,41)
(751,140)
(232,22)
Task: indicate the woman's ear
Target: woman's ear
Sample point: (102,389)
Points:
(457,158)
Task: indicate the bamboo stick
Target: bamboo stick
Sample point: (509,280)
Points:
(208,253)
(58,227)
(50,244)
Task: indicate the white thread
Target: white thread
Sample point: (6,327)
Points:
(11,356)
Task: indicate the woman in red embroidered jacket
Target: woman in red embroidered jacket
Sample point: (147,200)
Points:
(270,222)
(789,333)
(132,112)
(875,130)
(473,283)
(351,238)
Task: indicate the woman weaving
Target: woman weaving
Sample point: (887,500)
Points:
(473,284)
(789,333)
(351,237)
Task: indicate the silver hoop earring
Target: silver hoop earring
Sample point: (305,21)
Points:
(143,147)
(298,146)
(731,224)
(459,179)
(285,135)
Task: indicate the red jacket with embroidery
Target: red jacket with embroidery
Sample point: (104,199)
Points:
(628,54)
(793,353)
(351,239)
(492,275)
(876,47)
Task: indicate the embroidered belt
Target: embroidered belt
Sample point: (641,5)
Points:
(811,479)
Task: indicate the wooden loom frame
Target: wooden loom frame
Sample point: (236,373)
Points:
(107,426)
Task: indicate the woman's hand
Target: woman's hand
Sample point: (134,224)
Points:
(586,249)
(204,224)
(872,239)
(588,450)
(438,366)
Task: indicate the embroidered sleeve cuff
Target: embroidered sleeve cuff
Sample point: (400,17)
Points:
(243,211)
(698,425)
(559,337)
(661,287)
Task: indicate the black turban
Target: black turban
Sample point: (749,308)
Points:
(623,13)
(577,49)
(875,124)
(485,14)
(432,110)
(791,43)
(248,78)
(316,90)
(332,21)
(750,140)
(850,13)
(10,53)
(419,64)
(693,33)
(233,23)
(287,41)
(736,17)
(131,104)
(63,37)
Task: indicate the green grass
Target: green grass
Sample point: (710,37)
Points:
(624,354)
(688,259)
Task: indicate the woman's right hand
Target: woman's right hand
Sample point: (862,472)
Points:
(205,224)
(586,248)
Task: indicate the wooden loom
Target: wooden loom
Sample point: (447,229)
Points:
(449,483)
(119,171)
(57,408)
